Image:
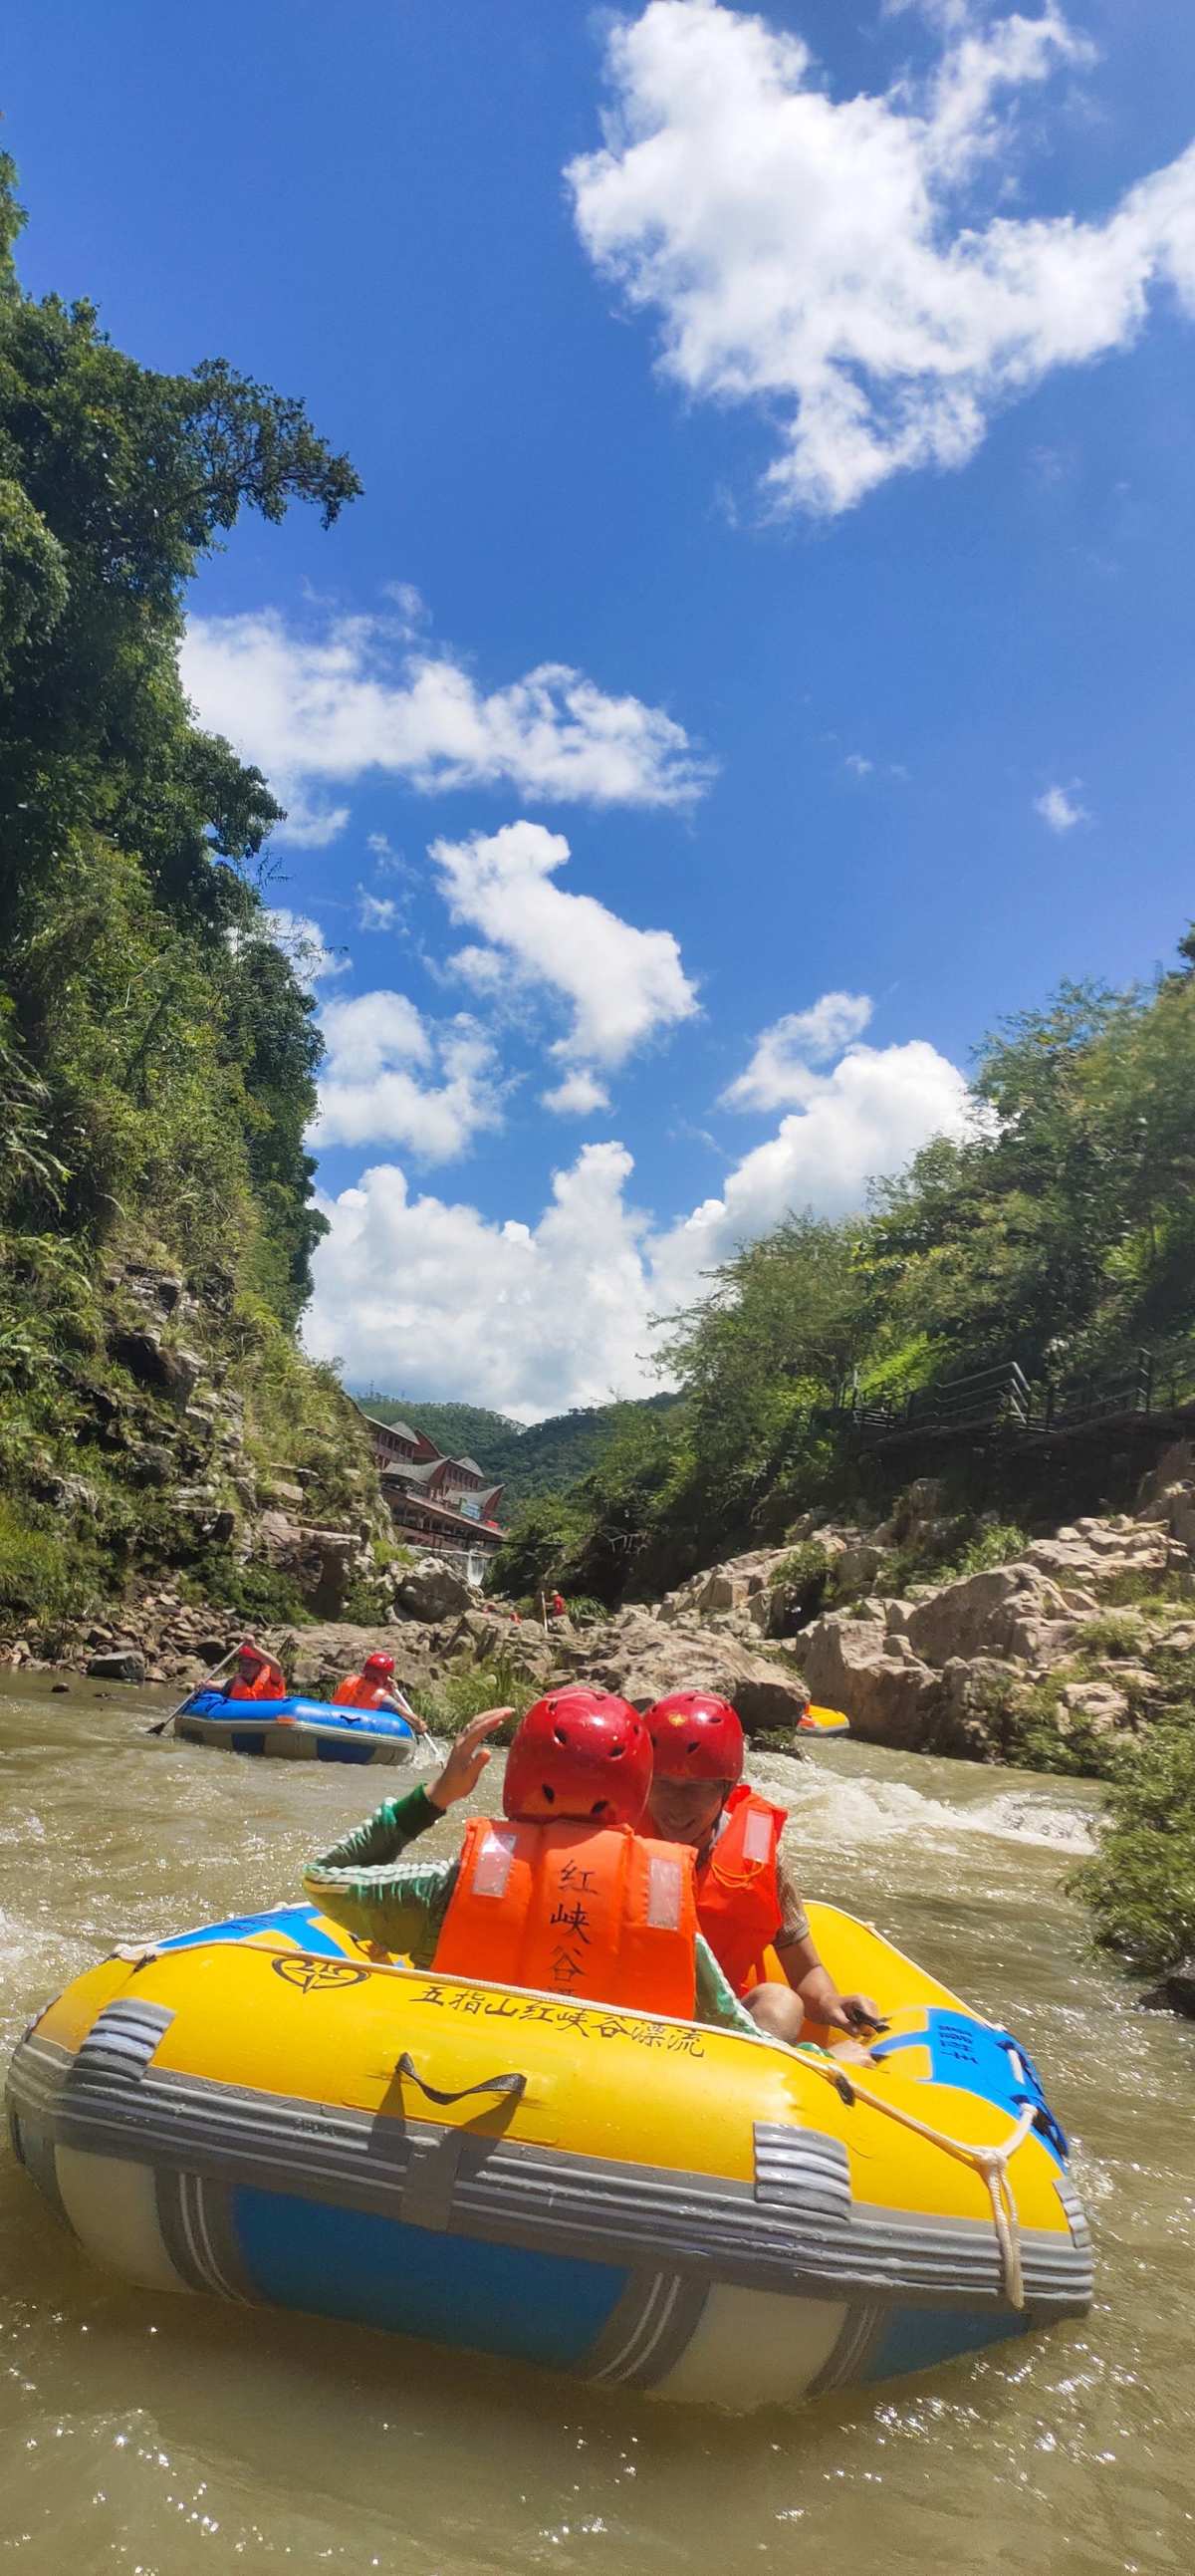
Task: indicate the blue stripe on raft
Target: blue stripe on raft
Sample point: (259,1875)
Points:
(299,1921)
(342,1752)
(978,2059)
(365,1724)
(920,2338)
(376,2272)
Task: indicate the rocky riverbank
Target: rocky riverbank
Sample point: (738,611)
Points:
(1048,1657)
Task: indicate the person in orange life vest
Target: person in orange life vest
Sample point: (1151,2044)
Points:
(564,1896)
(371,1688)
(556,1608)
(746,1898)
(257,1675)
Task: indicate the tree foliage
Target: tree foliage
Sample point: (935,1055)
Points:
(159,1053)
(1059,1231)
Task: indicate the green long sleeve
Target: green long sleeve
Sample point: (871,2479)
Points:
(357,1884)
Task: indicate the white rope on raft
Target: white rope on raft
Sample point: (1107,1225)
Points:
(990,2163)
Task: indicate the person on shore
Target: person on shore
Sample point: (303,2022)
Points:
(747,1899)
(374,1687)
(564,1895)
(257,1676)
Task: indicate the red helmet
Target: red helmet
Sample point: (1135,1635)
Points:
(249,1648)
(378,1664)
(696,1737)
(580,1757)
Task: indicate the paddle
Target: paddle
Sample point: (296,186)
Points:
(205,1684)
(422,1733)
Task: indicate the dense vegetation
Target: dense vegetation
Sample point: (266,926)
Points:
(1059,1232)
(543,1458)
(1139,1884)
(157,1051)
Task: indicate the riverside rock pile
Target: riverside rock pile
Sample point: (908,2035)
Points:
(918,1671)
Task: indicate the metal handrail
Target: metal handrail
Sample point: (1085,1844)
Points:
(1000,1398)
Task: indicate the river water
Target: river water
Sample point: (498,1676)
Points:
(165,2436)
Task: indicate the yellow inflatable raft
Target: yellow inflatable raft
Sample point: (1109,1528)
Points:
(823,1721)
(265,2111)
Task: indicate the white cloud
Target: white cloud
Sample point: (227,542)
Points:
(779,1075)
(373,1088)
(1059,809)
(436,1298)
(376,911)
(867,1117)
(409,603)
(834,260)
(310,827)
(315,710)
(622,986)
(417,1293)
(303,940)
(858,761)
(577,1096)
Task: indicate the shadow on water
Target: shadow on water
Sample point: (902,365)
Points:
(171,2436)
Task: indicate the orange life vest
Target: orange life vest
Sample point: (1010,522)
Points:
(355,1692)
(608,1917)
(738,1888)
(270,1683)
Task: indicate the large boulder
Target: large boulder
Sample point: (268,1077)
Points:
(889,1695)
(316,1658)
(331,1561)
(433,1589)
(122,1664)
(958,1619)
(856,1569)
(1012,1610)
(641,1660)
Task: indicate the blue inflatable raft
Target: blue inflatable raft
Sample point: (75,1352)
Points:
(298,1730)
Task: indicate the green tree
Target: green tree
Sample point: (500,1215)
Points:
(172,1044)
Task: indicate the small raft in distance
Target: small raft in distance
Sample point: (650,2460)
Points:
(297,1730)
(263,2110)
(823,1721)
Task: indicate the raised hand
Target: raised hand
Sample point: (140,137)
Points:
(468,1758)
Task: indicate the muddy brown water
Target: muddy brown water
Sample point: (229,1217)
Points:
(165,2436)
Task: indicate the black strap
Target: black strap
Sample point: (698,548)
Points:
(513,2086)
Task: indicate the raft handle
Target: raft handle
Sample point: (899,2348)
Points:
(512,2086)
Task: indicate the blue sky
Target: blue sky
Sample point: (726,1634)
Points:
(823,416)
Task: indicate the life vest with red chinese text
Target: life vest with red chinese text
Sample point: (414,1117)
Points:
(608,1917)
(356,1692)
(738,1887)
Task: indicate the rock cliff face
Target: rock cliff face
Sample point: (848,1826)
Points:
(192,1447)
(1087,1613)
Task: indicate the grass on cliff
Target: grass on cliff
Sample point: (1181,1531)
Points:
(46,1578)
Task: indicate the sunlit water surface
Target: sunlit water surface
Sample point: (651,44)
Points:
(169,2435)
